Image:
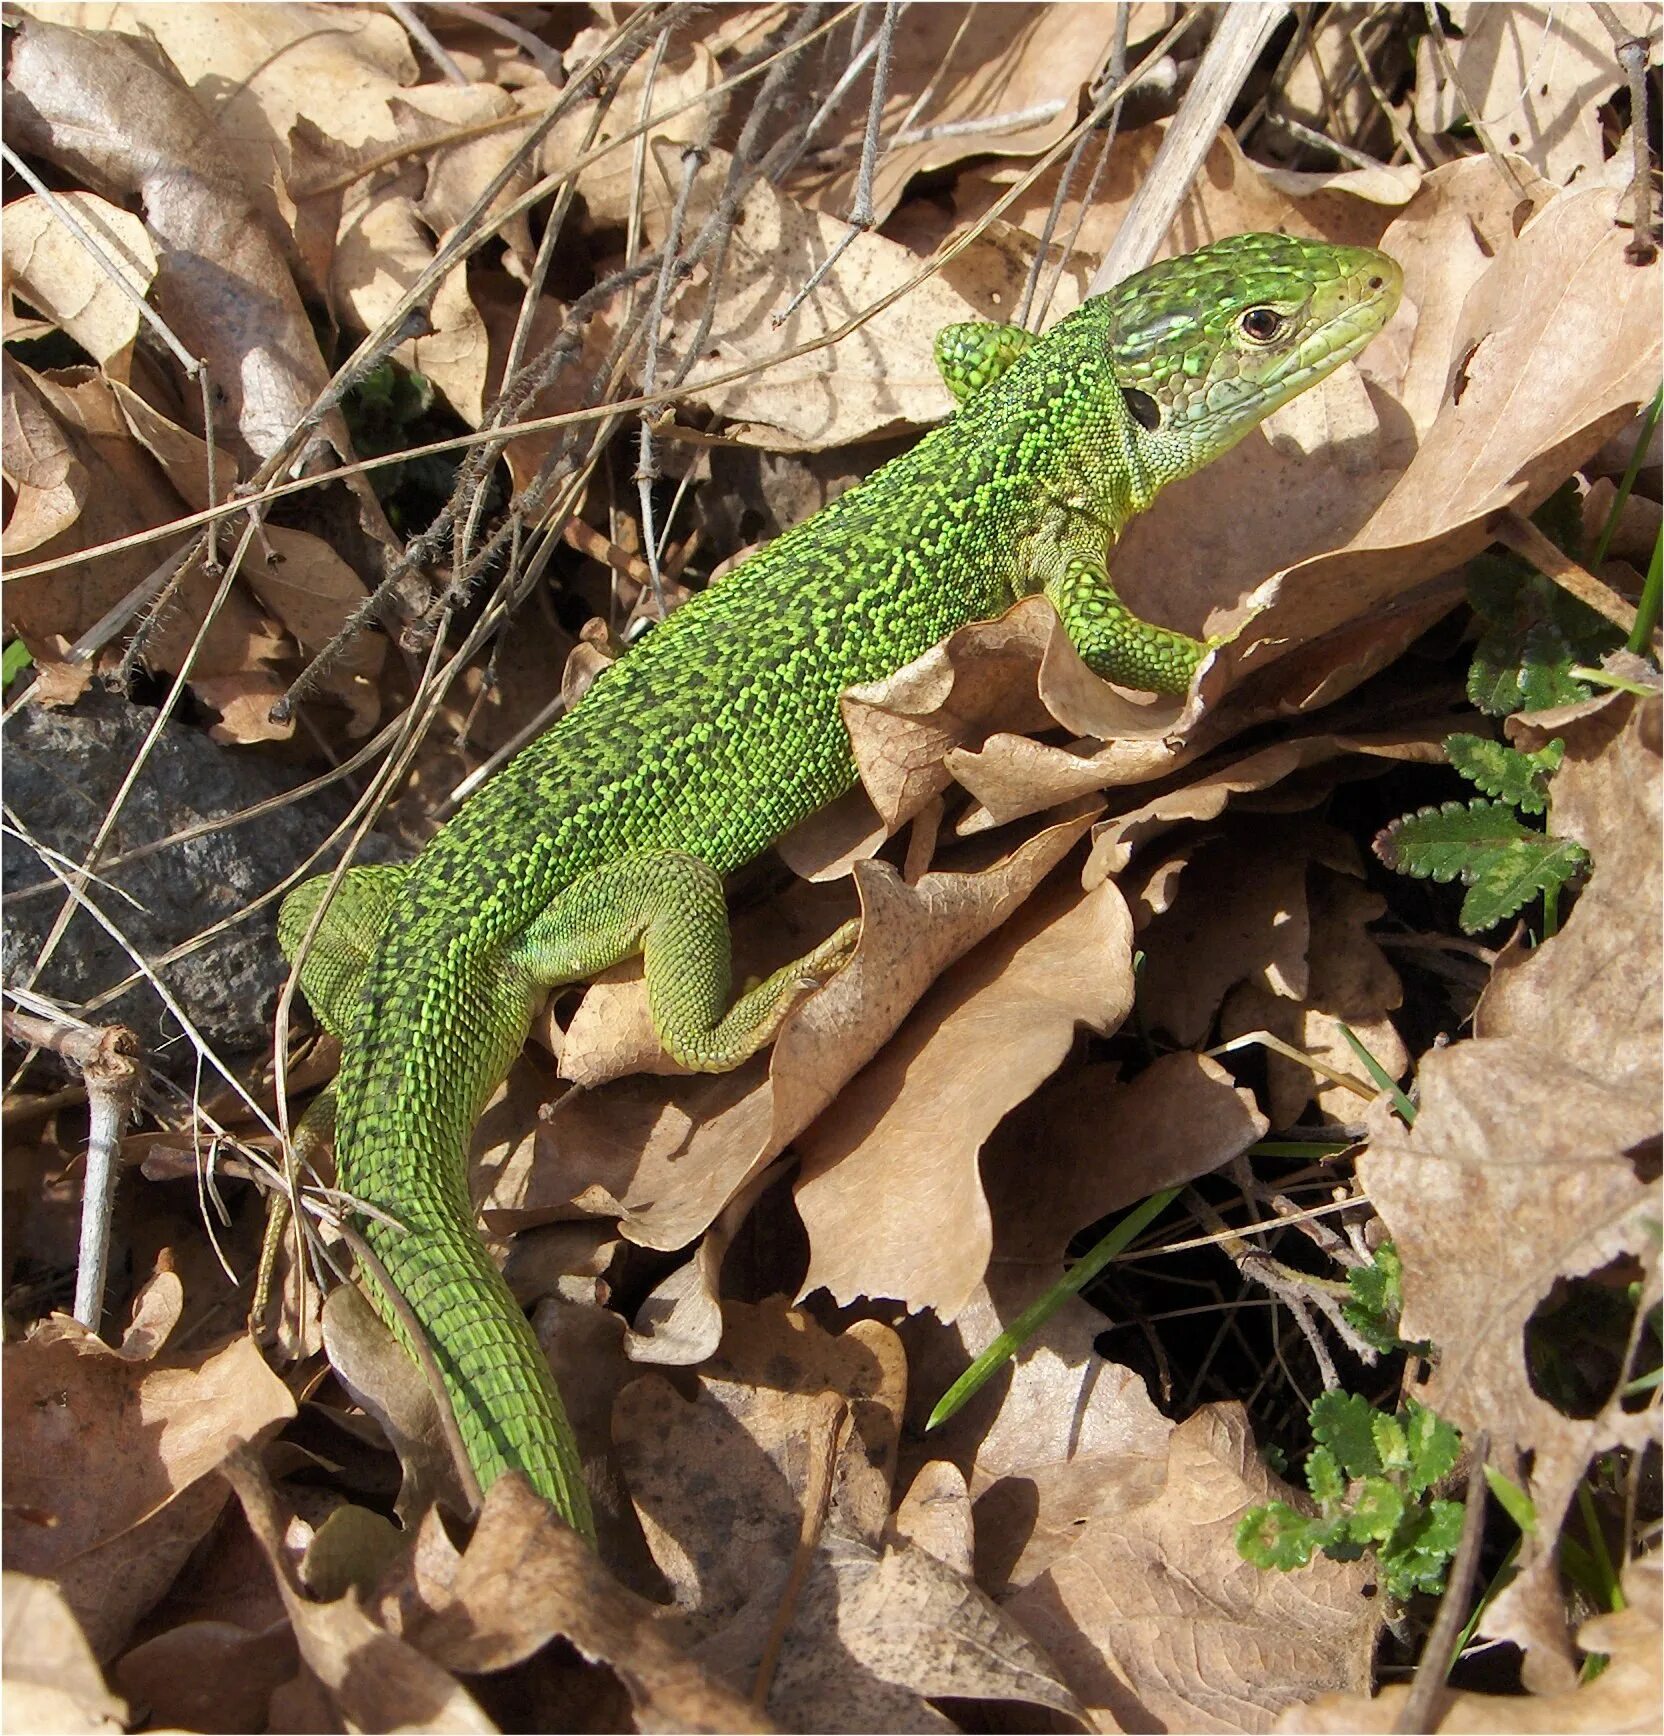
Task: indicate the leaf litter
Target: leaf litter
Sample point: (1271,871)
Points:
(754,1287)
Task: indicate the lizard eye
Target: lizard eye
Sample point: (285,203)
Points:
(1261,325)
(1143,409)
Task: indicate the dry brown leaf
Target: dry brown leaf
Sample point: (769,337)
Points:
(912,732)
(875,381)
(1061,1431)
(1559,307)
(113,111)
(1158,1623)
(384,1378)
(1231,195)
(1446,241)
(1530,78)
(257,69)
(890,1191)
(665,1155)
(371,1679)
(51,269)
(1350,982)
(935,1516)
(82,479)
(209,1675)
(107,1463)
(1534,1125)
(1241,914)
(963,85)
(1626,1696)
(868,1630)
(1108,1145)
(526,1578)
(1205,797)
(499,302)
(1592,993)
(689,70)
(51,1681)
(312,591)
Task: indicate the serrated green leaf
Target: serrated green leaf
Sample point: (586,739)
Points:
(1534,634)
(1442,1533)
(1377,1299)
(1433,1443)
(1511,878)
(1520,779)
(1417,1555)
(1390,1443)
(1325,1478)
(1274,1536)
(1333,1538)
(1454,839)
(1376,1510)
(1341,1421)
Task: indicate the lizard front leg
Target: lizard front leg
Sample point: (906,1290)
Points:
(1114,642)
(669,906)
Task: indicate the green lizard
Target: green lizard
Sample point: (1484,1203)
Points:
(610,835)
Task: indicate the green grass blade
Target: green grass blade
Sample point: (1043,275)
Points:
(1401,1101)
(1041,1310)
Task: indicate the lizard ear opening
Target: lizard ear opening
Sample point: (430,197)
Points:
(1143,409)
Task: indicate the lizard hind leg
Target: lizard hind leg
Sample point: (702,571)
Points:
(669,906)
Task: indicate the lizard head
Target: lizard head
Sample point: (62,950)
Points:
(1204,346)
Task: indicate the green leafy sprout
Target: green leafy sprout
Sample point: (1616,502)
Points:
(1370,1475)
(1504,862)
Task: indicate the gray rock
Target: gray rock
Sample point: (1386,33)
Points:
(62,769)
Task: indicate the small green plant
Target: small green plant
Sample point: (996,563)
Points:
(1532,633)
(1369,1474)
(16,660)
(1504,862)
(1377,1300)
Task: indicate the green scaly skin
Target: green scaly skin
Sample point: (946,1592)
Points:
(721,731)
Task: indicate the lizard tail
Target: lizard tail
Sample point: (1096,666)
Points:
(495,1374)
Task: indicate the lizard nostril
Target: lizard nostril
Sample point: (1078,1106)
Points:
(1376,282)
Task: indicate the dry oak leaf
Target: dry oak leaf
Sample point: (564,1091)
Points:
(890,1190)
(879,379)
(1158,1623)
(47,265)
(82,478)
(1351,982)
(258,69)
(1592,993)
(666,1154)
(607,177)
(107,1462)
(1206,796)
(1004,81)
(49,1678)
(524,1579)
(364,1675)
(1062,1430)
(1231,195)
(1627,1695)
(867,1631)
(1529,78)
(114,112)
(1446,241)
(209,1675)
(1538,1125)
(943,715)
(1237,912)
(1557,344)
